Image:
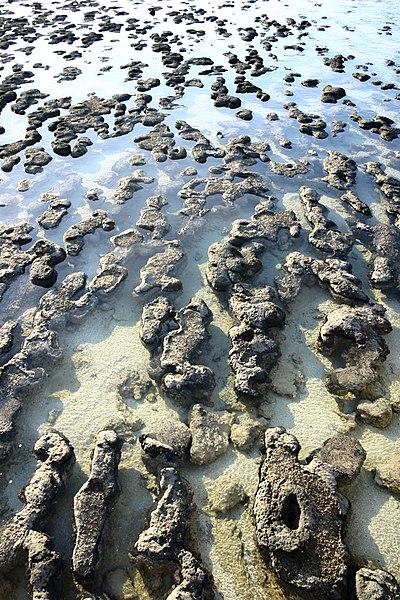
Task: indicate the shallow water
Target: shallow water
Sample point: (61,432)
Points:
(79,395)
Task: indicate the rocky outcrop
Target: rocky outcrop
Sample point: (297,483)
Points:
(92,505)
(74,236)
(341,170)
(344,454)
(235,259)
(53,215)
(160,141)
(333,273)
(156,551)
(299,516)
(202,148)
(390,188)
(254,351)
(71,300)
(352,200)
(176,340)
(383,240)
(157,271)
(387,474)
(152,219)
(375,584)
(324,235)
(196,583)
(109,274)
(21,535)
(127,186)
(356,335)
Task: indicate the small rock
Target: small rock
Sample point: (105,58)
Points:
(388,474)
(378,413)
(225,493)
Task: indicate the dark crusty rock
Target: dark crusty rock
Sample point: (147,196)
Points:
(375,584)
(152,219)
(356,333)
(202,148)
(35,159)
(299,516)
(195,582)
(324,235)
(380,125)
(288,169)
(156,272)
(254,306)
(21,537)
(331,94)
(74,236)
(228,264)
(390,188)
(126,238)
(157,455)
(92,505)
(341,170)
(336,63)
(264,225)
(344,454)
(160,141)
(156,551)
(46,255)
(334,273)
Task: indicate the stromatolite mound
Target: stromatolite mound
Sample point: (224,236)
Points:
(21,535)
(375,584)
(92,505)
(355,333)
(299,517)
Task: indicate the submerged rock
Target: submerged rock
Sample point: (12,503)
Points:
(341,170)
(92,505)
(378,413)
(299,516)
(344,454)
(109,274)
(74,236)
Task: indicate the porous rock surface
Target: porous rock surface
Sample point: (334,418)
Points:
(299,516)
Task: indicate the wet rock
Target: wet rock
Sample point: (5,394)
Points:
(375,584)
(355,332)
(127,186)
(384,243)
(356,204)
(202,148)
(156,551)
(20,535)
(221,97)
(55,212)
(344,454)
(245,114)
(379,124)
(109,274)
(154,315)
(390,188)
(127,238)
(160,141)
(80,147)
(46,255)
(71,300)
(378,413)
(341,170)
(156,272)
(331,94)
(336,63)
(210,435)
(228,264)
(324,236)
(299,516)
(388,474)
(92,505)
(288,169)
(334,273)
(152,219)
(35,159)
(74,236)
(254,306)
(6,336)
(224,494)
(174,434)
